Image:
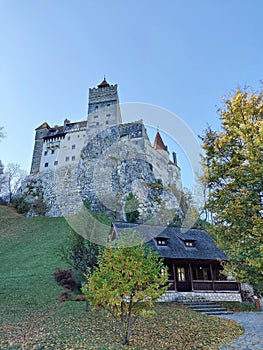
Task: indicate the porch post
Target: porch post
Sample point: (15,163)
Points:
(212,276)
(191,277)
(174,273)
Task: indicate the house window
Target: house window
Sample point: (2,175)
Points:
(181,274)
(189,243)
(161,241)
(52,151)
(46,165)
(68,138)
(73,146)
(97,123)
(108,104)
(107,122)
(45,153)
(67,159)
(96,116)
(96,107)
(55,162)
(73,158)
(107,115)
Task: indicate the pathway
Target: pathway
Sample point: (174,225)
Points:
(252,339)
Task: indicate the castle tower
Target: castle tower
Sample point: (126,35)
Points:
(41,132)
(158,143)
(103,108)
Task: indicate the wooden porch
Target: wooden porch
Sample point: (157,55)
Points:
(199,277)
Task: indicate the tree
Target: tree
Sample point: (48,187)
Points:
(11,179)
(233,160)
(126,281)
(131,208)
(80,254)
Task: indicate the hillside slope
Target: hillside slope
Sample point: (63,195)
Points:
(29,252)
(32,318)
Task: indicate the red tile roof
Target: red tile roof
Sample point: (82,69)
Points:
(158,142)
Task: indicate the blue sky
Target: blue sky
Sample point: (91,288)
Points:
(183,56)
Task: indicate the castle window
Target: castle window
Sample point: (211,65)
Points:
(107,115)
(67,159)
(55,162)
(73,146)
(97,123)
(68,138)
(108,104)
(96,116)
(107,122)
(73,158)
(45,153)
(96,107)
(52,151)
(46,165)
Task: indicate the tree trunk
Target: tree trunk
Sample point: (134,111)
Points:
(127,324)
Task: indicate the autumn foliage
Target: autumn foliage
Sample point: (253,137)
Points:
(233,162)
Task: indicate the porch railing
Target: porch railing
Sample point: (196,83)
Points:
(202,286)
(217,286)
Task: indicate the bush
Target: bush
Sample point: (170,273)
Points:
(3,201)
(21,205)
(40,207)
(64,278)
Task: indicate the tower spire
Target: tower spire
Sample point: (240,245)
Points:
(158,143)
(104,83)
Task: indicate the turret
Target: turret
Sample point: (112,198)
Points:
(41,132)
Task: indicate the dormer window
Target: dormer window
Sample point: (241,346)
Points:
(189,244)
(161,241)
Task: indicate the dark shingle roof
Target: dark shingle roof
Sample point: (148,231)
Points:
(204,247)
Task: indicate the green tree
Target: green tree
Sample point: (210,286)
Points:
(127,280)
(131,208)
(233,160)
(80,254)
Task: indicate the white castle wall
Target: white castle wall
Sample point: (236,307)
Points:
(59,152)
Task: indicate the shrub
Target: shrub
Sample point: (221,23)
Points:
(65,296)
(21,205)
(64,278)
(39,206)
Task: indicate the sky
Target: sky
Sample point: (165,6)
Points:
(182,56)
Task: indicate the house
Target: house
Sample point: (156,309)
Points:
(194,261)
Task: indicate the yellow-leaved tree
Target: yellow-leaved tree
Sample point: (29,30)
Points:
(234,169)
(129,277)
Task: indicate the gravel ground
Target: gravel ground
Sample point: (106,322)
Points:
(252,339)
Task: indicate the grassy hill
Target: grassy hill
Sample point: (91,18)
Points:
(32,318)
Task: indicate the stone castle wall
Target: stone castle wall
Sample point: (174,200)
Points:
(116,162)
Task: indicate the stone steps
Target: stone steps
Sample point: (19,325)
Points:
(207,307)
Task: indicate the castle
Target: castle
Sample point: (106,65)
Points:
(103,160)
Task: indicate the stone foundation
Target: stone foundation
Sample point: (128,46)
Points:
(170,296)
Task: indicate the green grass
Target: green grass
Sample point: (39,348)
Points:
(32,318)
(236,306)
